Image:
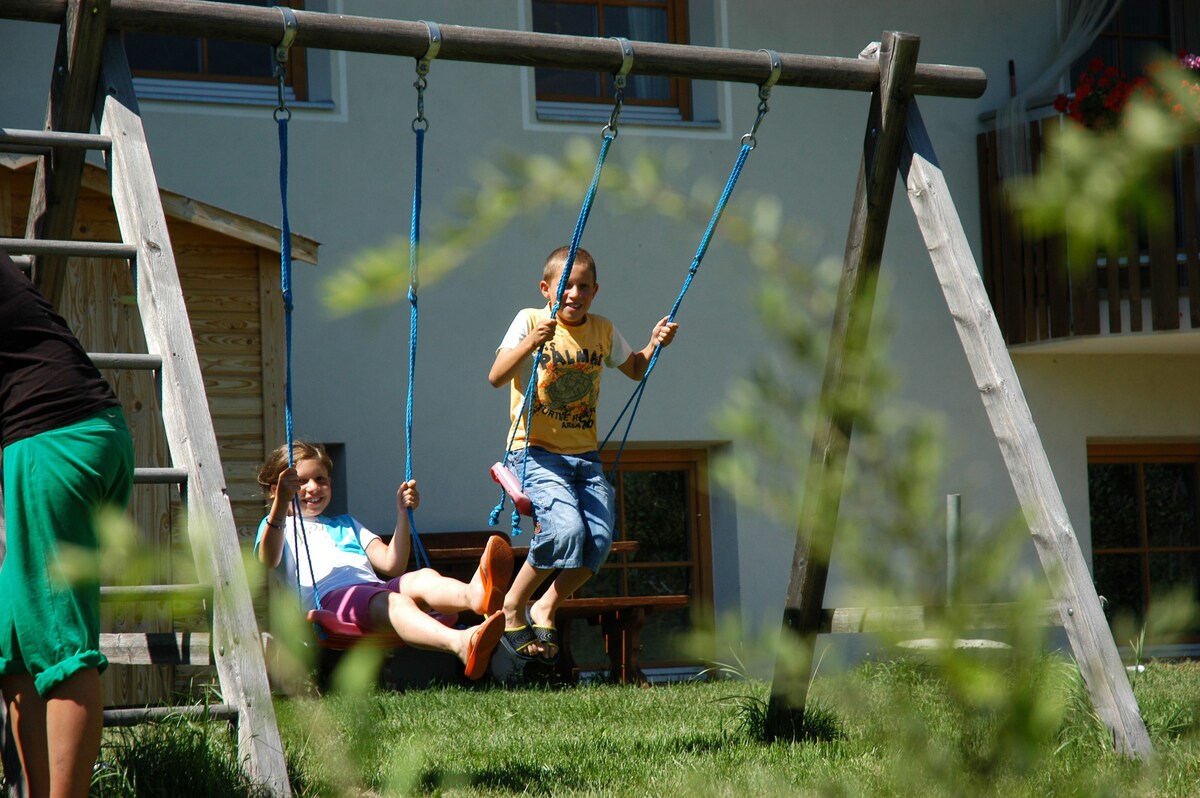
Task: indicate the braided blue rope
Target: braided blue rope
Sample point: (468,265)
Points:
(285,272)
(635,398)
(572,252)
(419,553)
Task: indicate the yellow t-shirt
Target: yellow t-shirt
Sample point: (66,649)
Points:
(568,381)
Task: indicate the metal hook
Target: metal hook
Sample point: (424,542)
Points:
(281,55)
(764,92)
(610,130)
(431,52)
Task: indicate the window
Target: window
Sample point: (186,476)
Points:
(662,503)
(647,98)
(1145,519)
(182,67)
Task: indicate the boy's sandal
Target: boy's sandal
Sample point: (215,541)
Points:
(517,640)
(495,568)
(483,643)
(547,636)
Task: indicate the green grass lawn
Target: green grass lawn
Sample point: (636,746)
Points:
(885,729)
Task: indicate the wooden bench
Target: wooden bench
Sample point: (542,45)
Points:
(620,618)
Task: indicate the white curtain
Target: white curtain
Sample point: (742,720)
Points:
(647,25)
(1080,22)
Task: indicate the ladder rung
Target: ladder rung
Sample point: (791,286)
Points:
(12,140)
(79,249)
(119,360)
(157,648)
(160,476)
(133,717)
(132,593)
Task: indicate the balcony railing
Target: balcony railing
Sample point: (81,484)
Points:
(1153,284)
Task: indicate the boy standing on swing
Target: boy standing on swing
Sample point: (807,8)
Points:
(556,448)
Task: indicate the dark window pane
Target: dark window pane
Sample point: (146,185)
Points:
(1145,17)
(153,52)
(587,645)
(662,635)
(655,506)
(605,583)
(1118,579)
(566,83)
(240,59)
(568,19)
(643,25)
(1112,497)
(1171,504)
(1176,576)
(1138,55)
(660,581)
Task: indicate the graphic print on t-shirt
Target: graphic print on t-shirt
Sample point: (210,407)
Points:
(568,384)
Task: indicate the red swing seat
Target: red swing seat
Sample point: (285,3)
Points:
(512,486)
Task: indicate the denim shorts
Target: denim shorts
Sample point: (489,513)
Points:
(573,504)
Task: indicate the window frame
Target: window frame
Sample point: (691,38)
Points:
(1140,455)
(693,462)
(204,86)
(677,108)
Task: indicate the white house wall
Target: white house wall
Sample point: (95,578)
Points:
(350,185)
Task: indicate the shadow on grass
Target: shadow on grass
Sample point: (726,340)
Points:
(515,776)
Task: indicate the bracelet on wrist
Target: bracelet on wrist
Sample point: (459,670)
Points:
(273,524)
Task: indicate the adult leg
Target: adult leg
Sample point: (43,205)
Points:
(74,722)
(27,717)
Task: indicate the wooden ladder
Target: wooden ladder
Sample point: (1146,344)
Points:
(92,79)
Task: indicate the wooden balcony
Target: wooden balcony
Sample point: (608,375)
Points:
(1153,285)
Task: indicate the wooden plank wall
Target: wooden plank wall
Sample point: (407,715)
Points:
(232,291)
(1036,299)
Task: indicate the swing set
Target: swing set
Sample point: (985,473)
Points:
(895,142)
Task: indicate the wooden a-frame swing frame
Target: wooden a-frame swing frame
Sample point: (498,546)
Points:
(895,142)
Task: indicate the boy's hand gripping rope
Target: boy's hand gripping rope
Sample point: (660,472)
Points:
(749,142)
(608,135)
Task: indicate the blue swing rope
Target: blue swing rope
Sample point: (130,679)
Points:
(608,135)
(749,142)
(419,125)
(282,116)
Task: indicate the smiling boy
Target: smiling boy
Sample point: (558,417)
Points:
(572,499)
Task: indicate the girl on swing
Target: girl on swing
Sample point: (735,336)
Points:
(343,557)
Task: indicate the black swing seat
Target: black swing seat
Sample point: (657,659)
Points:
(512,486)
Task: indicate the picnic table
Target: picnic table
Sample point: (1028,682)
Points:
(620,618)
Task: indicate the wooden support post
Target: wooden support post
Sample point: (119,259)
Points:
(69,110)
(996,379)
(843,369)
(190,436)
